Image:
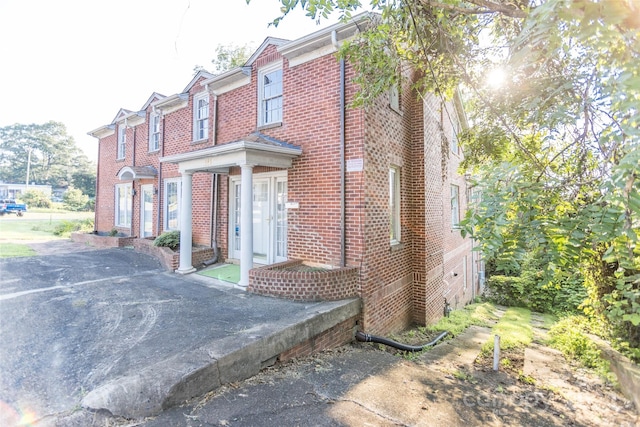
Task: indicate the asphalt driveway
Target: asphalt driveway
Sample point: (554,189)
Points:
(74,325)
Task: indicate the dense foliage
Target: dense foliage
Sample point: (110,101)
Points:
(74,200)
(168,239)
(553,147)
(50,155)
(36,199)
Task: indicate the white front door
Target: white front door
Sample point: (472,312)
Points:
(269,218)
(146,211)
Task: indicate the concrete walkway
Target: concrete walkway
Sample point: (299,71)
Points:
(109,330)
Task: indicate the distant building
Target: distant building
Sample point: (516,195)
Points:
(14,191)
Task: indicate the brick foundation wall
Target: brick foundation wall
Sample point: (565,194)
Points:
(102,241)
(341,334)
(329,285)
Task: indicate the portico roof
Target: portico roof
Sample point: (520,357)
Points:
(137,172)
(255,149)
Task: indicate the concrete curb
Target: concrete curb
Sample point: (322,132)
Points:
(234,358)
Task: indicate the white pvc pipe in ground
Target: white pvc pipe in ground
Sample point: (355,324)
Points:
(496,352)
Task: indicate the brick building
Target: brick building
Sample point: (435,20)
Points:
(368,198)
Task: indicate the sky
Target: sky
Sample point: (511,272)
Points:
(79,61)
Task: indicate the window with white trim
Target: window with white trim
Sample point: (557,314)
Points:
(201,117)
(455,129)
(455,206)
(394,98)
(394,204)
(154,132)
(122,141)
(123,205)
(172,200)
(270,95)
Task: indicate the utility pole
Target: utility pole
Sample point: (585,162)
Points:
(28,167)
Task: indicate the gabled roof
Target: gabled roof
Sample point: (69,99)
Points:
(201,74)
(266,43)
(327,38)
(131,118)
(155,96)
(172,103)
(121,115)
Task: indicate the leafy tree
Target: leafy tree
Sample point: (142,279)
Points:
(555,150)
(36,199)
(74,200)
(84,179)
(54,155)
(228,57)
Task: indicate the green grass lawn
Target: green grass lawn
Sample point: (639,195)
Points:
(514,329)
(12,250)
(36,225)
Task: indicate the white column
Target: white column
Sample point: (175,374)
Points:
(246,224)
(185,225)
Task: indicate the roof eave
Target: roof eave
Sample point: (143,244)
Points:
(102,131)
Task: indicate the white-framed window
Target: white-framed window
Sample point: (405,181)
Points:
(455,206)
(394,204)
(172,200)
(394,98)
(122,141)
(124,204)
(455,129)
(270,95)
(201,116)
(154,132)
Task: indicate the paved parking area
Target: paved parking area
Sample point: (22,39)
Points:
(110,329)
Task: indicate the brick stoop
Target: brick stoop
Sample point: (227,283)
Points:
(282,280)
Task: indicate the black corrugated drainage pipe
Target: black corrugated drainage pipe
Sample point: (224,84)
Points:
(362,337)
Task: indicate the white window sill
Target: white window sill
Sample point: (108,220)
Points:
(270,125)
(396,245)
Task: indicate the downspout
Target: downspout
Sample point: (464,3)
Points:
(133,183)
(343,260)
(214,190)
(95,209)
(160,176)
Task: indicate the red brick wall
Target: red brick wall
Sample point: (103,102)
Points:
(340,334)
(387,272)
(399,284)
(329,285)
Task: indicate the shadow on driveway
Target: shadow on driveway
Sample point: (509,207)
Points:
(111,330)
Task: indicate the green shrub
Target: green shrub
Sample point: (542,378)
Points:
(536,287)
(506,290)
(36,199)
(65,228)
(568,336)
(169,239)
(74,200)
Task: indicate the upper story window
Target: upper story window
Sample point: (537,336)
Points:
(455,129)
(270,95)
(122,141)
(394,98)
(201,117)
(455,206)
(394,204)
(154,132)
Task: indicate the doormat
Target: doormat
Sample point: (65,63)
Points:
(227,272)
